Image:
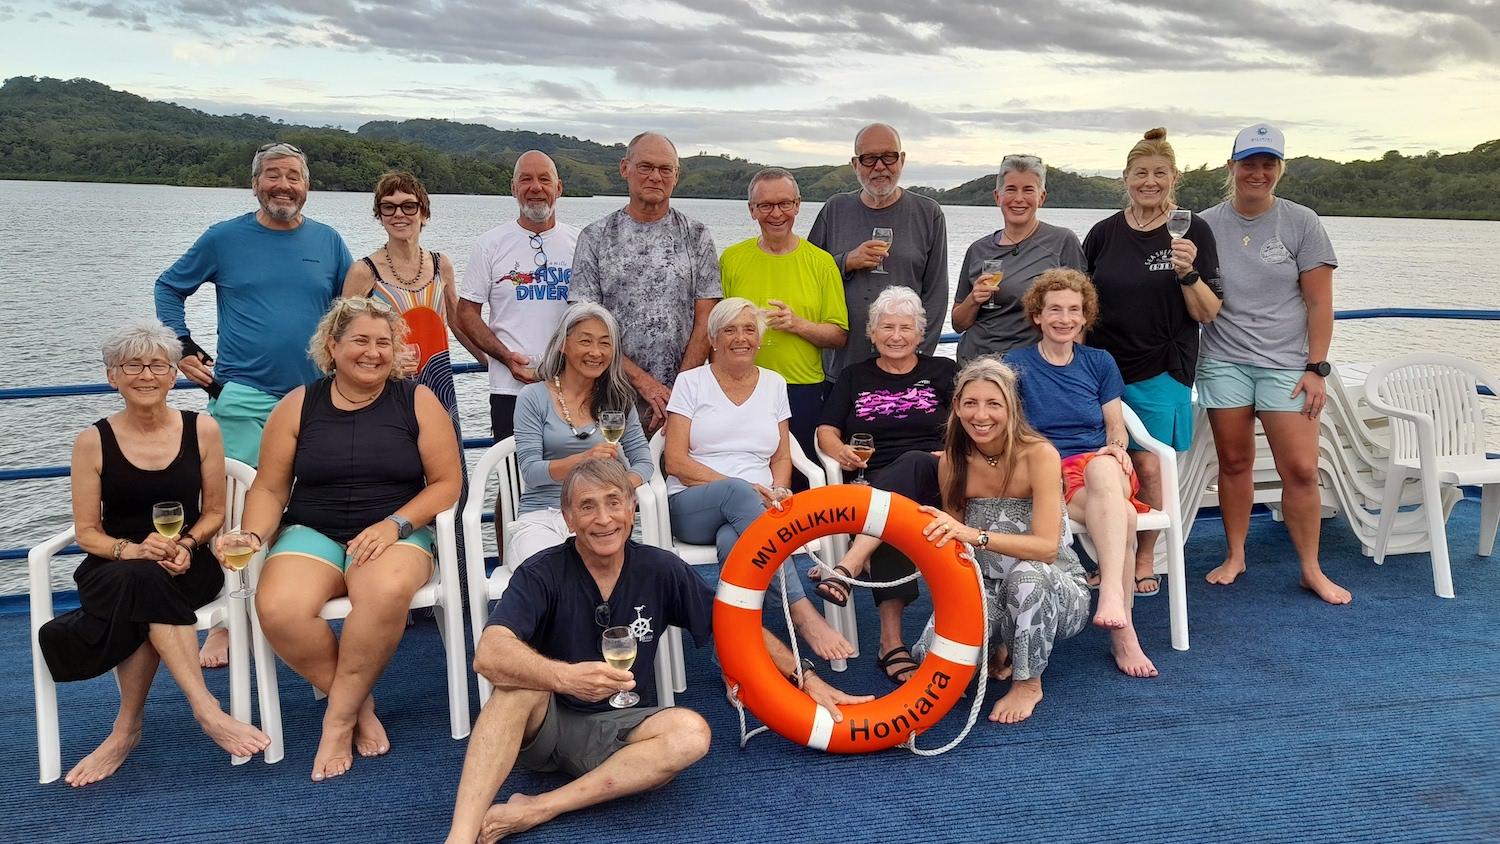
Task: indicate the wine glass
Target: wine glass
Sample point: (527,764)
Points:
(409,360)
(532,360)
(864,446)
(612,425)
(167,516)
(886,236)
(619,652)
(1178,221)
(237,550)
(990,275)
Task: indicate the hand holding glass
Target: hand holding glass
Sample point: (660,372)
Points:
(990,275)
(612,425)
(529,368)
(863,445)
(238,547)
(1178,222)
(619,651)
(886,236)
(167,516)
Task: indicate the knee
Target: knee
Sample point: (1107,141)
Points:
(387,596)
(687,734)
(1236,460)
(740,494)
(1299,472)
(1103,476)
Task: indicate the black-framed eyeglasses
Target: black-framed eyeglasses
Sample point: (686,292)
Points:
(785,206)
(601,616)
(274,144)
(869,159)
(136,368)
(410,209)
(541,254)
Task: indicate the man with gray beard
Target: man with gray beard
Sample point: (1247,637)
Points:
(522,269)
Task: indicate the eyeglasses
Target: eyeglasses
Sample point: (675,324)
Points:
(410,209)
(601,616)
(1020,159)
(785,206)
(541,255)
(275,144)
(136,368)
(889,159)
(666,171)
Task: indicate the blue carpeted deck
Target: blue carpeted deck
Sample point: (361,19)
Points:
(1289,720)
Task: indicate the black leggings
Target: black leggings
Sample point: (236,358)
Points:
(914,475)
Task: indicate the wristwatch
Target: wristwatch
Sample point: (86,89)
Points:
(1190,279)
(983,541)
(1322,368)
(807,671)
(403,527)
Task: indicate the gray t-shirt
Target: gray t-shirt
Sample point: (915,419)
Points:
(649,276)
(998,330)
(1263,321)
(918,259)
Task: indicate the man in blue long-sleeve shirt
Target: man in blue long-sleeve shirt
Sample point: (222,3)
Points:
(275,273)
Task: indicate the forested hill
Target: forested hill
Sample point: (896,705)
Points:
(81,130)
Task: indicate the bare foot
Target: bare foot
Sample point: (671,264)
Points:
(1318,583)
(215,653)
(1128,655)
(106,758)
(236,737)
(1000,667)
(1111,613)
(333,758)
(518,814)
(1019,702)
(1226,572)
(369,734)
(823,639)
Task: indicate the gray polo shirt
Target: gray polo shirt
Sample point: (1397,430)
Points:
(998,330)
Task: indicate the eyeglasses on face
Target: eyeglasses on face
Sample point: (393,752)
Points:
(785,206)
(541,255)
(410,209)
(666,171)
(869,159)
(135,367)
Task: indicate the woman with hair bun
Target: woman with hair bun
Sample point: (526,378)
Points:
(1154,292)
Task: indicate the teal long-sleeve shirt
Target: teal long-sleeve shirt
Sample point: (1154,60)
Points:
(272,287)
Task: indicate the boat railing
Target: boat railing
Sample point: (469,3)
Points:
(948,338)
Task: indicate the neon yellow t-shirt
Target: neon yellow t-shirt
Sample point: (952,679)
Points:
(808,281)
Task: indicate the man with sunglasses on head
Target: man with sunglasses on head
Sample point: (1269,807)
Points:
(275,273)
(917,256)
(655,269)
(542,650)
(522,270)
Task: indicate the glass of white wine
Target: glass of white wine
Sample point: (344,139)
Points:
(237,548)
(990,275)
(619,652)
(533,359)
(167,516)
(886,236)
(864,446)
(612,425)
(1178,222)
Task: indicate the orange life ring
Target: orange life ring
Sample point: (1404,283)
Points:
(931,690)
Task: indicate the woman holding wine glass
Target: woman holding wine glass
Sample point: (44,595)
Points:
(138,587)
(1154,292)
(999,267)
(1266,355)
(581,406)
(728,455)
(353,470)
(898,400)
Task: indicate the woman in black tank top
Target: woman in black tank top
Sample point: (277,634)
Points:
(353,469)
(139,589)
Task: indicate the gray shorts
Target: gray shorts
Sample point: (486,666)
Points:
(578,742)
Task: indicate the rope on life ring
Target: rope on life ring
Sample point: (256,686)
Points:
(926,696)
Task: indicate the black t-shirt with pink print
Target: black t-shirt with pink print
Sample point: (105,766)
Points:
(902,412)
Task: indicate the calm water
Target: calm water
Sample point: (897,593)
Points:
(88,255)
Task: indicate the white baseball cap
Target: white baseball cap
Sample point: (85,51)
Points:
(1258,139)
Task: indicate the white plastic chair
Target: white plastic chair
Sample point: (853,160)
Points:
(441,592)
(222,611)
(839,618)
(499,461)
(1437,437)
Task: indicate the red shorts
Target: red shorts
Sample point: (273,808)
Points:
(1072,472)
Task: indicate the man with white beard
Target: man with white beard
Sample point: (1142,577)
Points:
(522,270)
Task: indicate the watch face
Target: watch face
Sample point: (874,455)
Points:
(1323,368)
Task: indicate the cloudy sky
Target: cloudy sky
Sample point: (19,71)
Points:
(789,81)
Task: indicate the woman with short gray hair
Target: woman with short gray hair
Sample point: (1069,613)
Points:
(999,267)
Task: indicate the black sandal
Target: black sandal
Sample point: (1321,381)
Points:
(900,659)
(828,583)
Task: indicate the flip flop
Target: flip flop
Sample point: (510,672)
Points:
(1154,578)
(827,585)
(900,659)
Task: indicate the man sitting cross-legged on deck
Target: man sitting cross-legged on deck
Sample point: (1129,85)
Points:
(541,650)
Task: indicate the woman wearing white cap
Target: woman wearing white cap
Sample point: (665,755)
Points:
(1267,353)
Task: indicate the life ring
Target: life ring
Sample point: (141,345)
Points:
(928,693)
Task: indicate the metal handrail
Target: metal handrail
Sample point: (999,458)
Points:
(950,337)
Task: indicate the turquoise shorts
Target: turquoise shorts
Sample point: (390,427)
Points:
(1165,406)
(1222,384)
(241,413)
(306,542)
